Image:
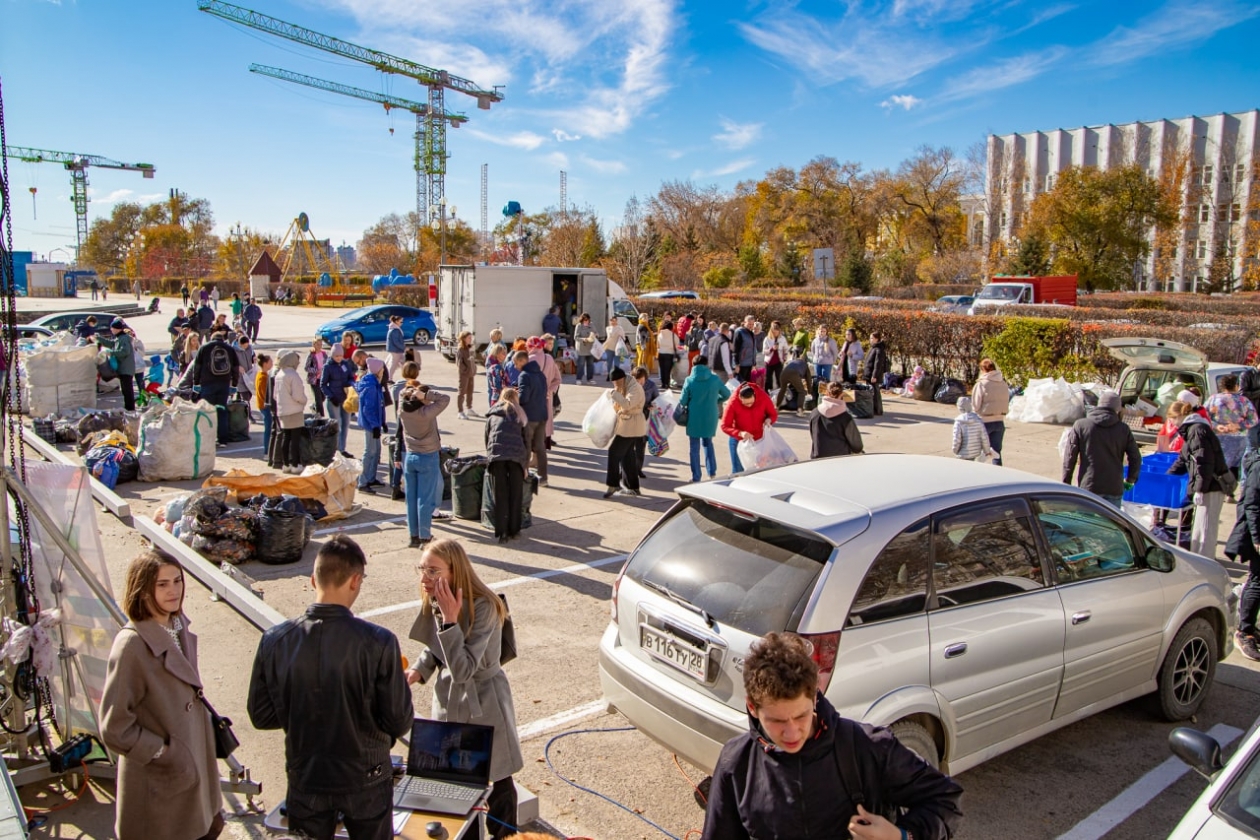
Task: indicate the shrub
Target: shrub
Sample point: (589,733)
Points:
(1032,348)
(719,277)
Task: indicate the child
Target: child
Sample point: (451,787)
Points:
(971,440)
(466,367)
(913,382)
(262,397)
(496,372)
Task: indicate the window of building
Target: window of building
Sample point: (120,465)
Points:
(1203,249)
(1028,185)
(1240,173)
(1205,214)
(1235,212)
(1207,176)
(1222,212)
(1049,183)
(1002,220)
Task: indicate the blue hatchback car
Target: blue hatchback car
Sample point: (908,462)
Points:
(369,325)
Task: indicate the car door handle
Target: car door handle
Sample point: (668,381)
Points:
(1081,617)
(955,650)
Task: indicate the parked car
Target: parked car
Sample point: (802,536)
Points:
(957,304)
(28,331)
(1230,807)
(1157,370)
(672,294)
(969,608)
(369,325)
(63,321)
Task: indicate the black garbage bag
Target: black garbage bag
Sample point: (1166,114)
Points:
(238,421)
(949,392)
(283,531)
(528,491)
(863,405)
(320,444)
(207,504)
(104,463)
(128,467)
(925,388)
(467,476)
(106,372)
(445,454)
(234,523)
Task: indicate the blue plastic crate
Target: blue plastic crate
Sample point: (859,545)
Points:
(1155,486)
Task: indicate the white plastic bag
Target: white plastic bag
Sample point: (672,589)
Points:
(682,367)
(1052,401)
(771,451)
(662,412)
(600,422)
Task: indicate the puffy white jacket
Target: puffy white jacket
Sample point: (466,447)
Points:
(781,344)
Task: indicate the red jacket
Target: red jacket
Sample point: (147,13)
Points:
(736,418)
(683,327)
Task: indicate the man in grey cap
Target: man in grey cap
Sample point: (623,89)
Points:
(1100,443)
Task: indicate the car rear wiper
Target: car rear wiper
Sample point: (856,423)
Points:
(681,601)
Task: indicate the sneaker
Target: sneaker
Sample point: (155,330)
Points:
(345,454)
(463,416)
(367,488)
(415,543)
(628,492)
(441,514)
(608,494)
(1247,646)
(399,494)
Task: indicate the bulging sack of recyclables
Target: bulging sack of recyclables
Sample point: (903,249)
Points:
(177,441)
(1049,401)
(771,451)
(600,422)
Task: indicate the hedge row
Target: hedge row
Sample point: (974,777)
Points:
(1152,317)
(1235,304)
(952,345)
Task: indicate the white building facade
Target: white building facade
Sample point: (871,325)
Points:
(1208,162)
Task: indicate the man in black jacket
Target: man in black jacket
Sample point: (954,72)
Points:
(216,370)
(1242,546)
(1100,442)
(877,364)
(1201,456)
(803,771)
(334,683)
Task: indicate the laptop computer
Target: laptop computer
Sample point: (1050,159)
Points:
(448,767)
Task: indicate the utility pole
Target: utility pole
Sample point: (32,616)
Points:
(564,194)
(485,217)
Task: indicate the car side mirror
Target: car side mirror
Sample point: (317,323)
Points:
(1197,749)
(1160,559)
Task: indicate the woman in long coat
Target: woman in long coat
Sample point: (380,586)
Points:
(461,627)
(168,778)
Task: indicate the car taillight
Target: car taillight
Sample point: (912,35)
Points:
(616,589)
(826,646)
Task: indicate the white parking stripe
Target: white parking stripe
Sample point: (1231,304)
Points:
(504,584)
(389,520)
(1136,796)
(559,720)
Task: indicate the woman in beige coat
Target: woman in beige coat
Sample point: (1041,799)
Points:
(991,399)
(168,778)
(623,461)
(461,627)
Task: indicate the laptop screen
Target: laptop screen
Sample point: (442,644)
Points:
(451,752)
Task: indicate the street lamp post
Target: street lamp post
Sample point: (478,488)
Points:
(439,225)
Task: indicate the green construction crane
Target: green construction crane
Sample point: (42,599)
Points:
(78,165)
(420,109)
(437,81)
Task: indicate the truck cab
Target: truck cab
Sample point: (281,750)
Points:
(1057,290)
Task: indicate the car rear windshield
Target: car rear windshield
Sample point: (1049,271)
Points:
(745,571)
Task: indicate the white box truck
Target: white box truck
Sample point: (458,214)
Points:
(479,298)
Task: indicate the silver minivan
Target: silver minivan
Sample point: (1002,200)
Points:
(971,608)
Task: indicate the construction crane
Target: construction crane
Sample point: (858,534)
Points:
(434,153)
(78,166)
(420,109)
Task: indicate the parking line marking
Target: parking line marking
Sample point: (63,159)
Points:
(559,720)
(503,584)
(1136,796)
(389,520)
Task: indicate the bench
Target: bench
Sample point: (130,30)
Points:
(346,300)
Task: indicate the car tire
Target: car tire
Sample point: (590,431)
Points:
(421,337)
(355,338)
(1188,671)
(914,737)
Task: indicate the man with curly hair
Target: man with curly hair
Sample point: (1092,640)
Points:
(801,770)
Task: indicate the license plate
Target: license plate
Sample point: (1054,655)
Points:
(686,658)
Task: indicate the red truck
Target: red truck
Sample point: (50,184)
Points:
(1010,291)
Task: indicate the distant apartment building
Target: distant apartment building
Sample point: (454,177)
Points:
(348,256)
(1208,162)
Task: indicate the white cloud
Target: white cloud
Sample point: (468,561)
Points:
(607,167)
(113,197)
(1003,74)
(558,159)
(736,135)
(722,171)
(604,64)
(1176,24)
(563,136)
(674,154)
(526,140)
(903,101)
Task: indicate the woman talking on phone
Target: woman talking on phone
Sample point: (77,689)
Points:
(461,626)
(152,714)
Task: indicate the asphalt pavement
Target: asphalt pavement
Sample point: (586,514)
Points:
(1092,779)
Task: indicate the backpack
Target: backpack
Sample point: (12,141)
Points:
(220,361)
(851,777)
(694,337)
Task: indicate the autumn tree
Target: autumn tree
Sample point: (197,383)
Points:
(572,238)
(930,185)
(110,240)
(632,248)
(1096,222)
(237,253)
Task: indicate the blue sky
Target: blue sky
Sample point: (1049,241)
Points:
(622,94)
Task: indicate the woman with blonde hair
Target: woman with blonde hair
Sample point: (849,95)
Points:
(461,627)
(153,716)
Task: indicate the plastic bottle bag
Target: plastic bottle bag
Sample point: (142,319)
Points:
(600,422)
(771,451)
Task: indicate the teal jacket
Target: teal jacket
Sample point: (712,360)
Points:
(703,394)
(122,350)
